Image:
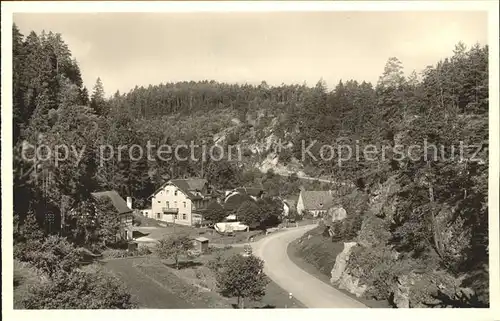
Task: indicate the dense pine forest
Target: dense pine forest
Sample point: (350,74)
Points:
(435,218)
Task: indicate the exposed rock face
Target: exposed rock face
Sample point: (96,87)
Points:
(272,162)
(341,261)
(337,213)
(381,202)
(341,276)
(402,292)
(352,284)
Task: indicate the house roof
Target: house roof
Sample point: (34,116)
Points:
(194,184)
(316,200)
(188,186)
(201,239)
(118,202)
(252,191)
(234,200)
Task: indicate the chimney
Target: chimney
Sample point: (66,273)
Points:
(129,202)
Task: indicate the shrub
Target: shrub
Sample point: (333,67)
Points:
(143,250)
(30,229)
(307,215)
(356,205)
(52,255)
(117,253)
(79,289)
(216,263)
(347,229)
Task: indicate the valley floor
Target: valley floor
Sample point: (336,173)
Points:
(156,285)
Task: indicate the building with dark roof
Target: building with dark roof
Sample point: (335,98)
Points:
(314,202)
(121,208)
(234,198)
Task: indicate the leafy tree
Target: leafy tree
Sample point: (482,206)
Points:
(271,211)
(108,222)
(242,277)
(249,213)
(215,212)
(174,246)
(83,223)
(223,174)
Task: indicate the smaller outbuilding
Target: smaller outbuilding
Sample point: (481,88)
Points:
(201,244)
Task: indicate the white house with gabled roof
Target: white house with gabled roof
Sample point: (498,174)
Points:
(181,201)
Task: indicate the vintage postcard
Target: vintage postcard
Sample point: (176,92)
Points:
(217,158)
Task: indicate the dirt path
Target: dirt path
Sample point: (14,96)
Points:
(311,291)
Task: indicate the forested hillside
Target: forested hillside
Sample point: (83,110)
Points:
(438,215)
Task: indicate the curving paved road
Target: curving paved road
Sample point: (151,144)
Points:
(311,291)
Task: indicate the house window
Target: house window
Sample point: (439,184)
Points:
(158,216)
(184,216)
(168,204)
(175,193)
(159,202)
(184,204)
(175,204)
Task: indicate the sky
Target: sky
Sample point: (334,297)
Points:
(129,49)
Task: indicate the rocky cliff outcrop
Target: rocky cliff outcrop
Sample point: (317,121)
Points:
(371,267)
(337,213)
(341,276)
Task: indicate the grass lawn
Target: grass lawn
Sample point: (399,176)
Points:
(156,285)
(295,252)
(25,276)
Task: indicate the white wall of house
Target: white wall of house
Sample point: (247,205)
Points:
(147,213)
(172,197)
(300,205)
(286,209)
(126,221)
(301,208)
(316,213)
